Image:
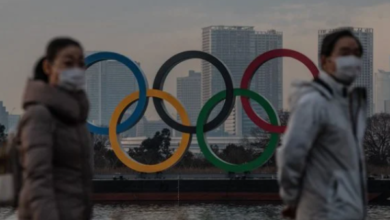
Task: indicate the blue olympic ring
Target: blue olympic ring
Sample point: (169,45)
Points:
(142,84)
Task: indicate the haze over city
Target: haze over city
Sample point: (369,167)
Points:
(219,138)
(152,31)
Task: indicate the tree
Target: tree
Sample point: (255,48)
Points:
(2,149)
(104,158)
(98,155)
(187,160)
(153,150)
(283,117)
(260,138)
(113,160)
(214,148)
(377,140)
(237,154)
(3,136)
(99,151)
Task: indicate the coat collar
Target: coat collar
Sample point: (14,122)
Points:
(71,107)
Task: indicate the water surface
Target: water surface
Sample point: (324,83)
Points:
(198,211)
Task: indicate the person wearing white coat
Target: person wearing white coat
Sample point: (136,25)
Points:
(321,170)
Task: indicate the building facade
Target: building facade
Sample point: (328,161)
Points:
(366,37)
(188,92)
(108,82)
(146,128)
(268,80)
(155,126)
(270,76)
(387,107)
(237,46)
(382,90)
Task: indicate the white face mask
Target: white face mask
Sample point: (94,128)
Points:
(72,79)
(348,68)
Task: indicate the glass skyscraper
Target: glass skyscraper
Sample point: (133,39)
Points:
(108,82)
(188,91)
(237,46)
(382,91)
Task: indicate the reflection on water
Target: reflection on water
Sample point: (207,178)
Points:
(200,211)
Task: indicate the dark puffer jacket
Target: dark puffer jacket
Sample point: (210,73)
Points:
(55,155)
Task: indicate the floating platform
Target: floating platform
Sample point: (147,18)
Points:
(195,188)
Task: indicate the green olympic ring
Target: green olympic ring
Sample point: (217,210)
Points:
(212,157)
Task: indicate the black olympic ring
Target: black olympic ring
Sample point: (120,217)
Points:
(162,74)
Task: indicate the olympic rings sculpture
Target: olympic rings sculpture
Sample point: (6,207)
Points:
(202,126)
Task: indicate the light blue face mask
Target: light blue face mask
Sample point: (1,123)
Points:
(72,79)
(348,68)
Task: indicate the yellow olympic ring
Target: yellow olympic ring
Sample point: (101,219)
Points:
(124,157)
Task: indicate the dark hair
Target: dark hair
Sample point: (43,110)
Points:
(331,39)
(57,44)
(39,73)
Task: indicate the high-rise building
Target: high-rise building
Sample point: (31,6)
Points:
(146,128)
(108,82)
(155,126)
(270,76)
(268,80)
(94,91)
(387,107)
(188,93)
(366,37)
(117,83)
(141,127)
(237,46)
(3,116)
(382,90)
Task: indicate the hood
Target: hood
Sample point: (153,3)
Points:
(328,89)
(300,88)
(66,106)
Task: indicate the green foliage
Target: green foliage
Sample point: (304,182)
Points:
(377,140)
(260,138)
(157,149)
(153,150)
(104,158)
(237,154)
(189,160)
(3,135)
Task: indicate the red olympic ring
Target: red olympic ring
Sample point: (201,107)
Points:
(250,72)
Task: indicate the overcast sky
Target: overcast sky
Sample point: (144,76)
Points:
(151,31)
